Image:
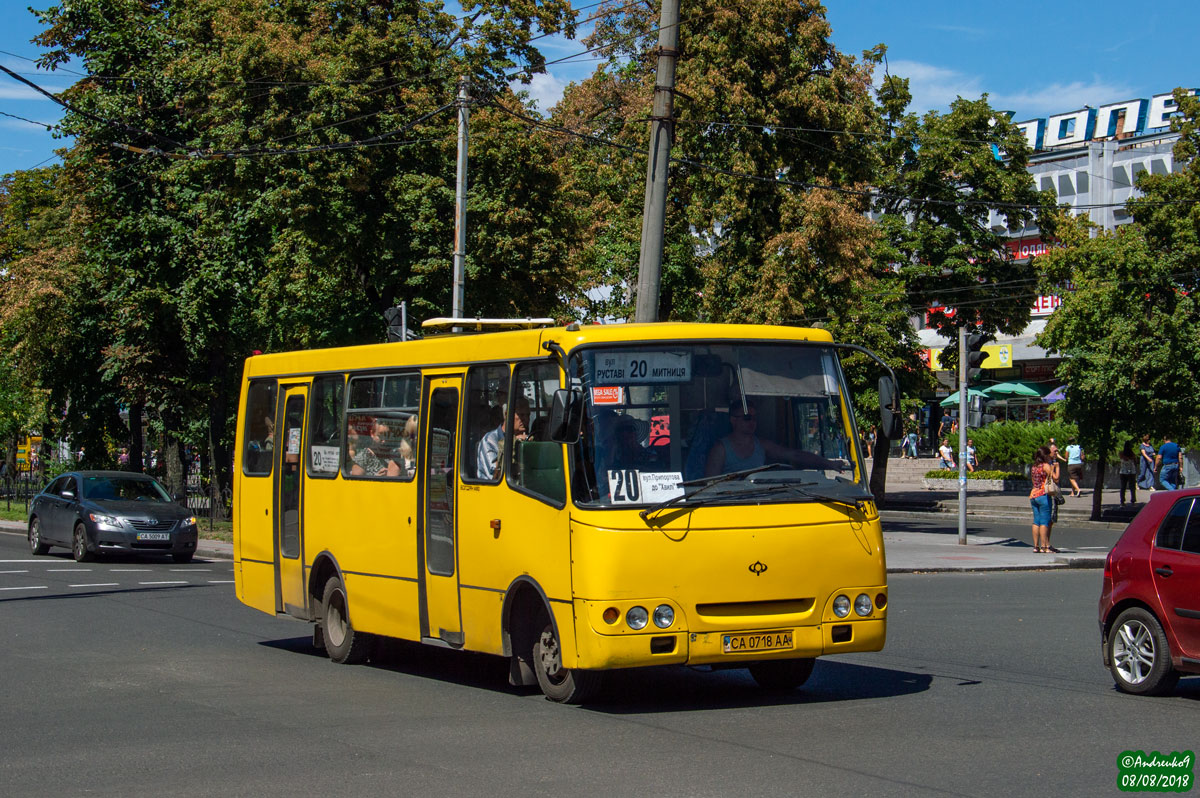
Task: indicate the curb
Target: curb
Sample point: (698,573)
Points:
(213,549)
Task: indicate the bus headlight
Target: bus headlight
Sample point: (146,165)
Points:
(637,618)
(862,604)
(664,616)
(841,606)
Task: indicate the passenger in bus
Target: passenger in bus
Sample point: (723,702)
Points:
(742,449)
(376,458)
(487,454)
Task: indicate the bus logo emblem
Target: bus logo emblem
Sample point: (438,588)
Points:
(758,568)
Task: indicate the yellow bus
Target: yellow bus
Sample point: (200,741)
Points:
(577,499)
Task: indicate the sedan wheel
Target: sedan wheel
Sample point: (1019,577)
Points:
(36,545)
(1138,655)
(79,549)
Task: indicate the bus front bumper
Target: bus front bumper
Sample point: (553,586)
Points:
(726,648)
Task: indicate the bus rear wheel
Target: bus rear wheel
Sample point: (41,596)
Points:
(343,643)
(564,685)
(782,674)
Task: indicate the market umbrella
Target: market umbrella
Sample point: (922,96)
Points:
(1005,390)
(1013,390)
(952,399)
(1057,395)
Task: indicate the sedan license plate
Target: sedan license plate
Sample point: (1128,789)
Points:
(754,642)
(151,536)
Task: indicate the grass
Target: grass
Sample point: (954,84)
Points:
(220,530)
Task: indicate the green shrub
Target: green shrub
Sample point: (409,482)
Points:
(1012,443)
(977,474)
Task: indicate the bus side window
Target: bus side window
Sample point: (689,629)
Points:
(325,426)
(535,463)
(487,392)
(260,429)
(381,427)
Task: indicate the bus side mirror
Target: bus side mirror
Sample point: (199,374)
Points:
(566,415)
(891,422)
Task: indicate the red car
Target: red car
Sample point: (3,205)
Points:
(1150,603)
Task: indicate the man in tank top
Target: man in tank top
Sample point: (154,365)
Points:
(742,449)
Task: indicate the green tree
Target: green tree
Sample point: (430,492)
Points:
(1129,334)
(283,177)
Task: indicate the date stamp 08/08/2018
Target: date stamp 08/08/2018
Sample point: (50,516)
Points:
(1138,771)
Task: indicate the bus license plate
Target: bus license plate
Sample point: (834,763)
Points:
(153,535)
(757,641)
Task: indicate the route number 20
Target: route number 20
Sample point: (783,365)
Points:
(626,485)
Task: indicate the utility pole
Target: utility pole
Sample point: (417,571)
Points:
(662,130)
(962,436)
(460,205)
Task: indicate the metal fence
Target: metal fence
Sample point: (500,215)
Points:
(16,492)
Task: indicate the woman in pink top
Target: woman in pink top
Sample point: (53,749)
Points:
(1039,501)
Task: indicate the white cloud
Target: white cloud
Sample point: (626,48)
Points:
(17,91)
(1061,97)
(934,88)
(546,90)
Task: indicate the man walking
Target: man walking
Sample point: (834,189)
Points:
(1168,462)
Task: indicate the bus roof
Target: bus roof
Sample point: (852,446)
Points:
(455,349)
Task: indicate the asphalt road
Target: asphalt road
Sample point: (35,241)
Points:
(990,684)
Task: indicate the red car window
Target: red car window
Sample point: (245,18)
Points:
(1170,533)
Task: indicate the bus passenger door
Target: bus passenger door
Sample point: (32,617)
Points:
(289,527)
(440,614)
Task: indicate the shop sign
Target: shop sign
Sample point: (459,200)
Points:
(1132,117)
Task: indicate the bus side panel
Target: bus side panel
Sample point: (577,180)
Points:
(253,531)
(369,527)
(533,540)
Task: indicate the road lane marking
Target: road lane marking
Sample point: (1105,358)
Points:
(41,560)
(220,581)
(68,570)
(30,587)
(130,570)
(192,570)
(98,584)
(15,572)
(182,582)
(1093,548)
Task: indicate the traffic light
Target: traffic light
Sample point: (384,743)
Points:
(975,354)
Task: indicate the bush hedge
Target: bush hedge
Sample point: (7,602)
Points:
(952,473)
(1014,442)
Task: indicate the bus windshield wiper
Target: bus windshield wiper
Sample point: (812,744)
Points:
(821,497)
(705,483)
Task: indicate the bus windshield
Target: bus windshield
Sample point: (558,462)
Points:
(723,422)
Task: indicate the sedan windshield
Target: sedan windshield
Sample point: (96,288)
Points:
(130,488)
(729,422)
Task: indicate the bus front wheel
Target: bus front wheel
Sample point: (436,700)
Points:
(342,642)
(782,674)
(564,685)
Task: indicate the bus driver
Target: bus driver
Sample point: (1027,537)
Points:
(742,449)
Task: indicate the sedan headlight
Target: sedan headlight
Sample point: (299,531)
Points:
(841,606)
(191,520)
(107,521)
(862,604)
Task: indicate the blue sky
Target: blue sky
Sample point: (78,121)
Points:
(1032,58)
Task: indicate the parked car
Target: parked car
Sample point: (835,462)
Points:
(1150,601)
(95,512)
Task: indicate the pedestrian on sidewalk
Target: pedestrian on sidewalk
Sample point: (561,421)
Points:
(972,460)
(947,454)
(910,441)
(1039,501)
(1075,466)
(1146,464)
(1168,458)
(1128,473)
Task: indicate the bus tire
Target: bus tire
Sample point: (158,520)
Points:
(782,674)
(560,684)
(343,643)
